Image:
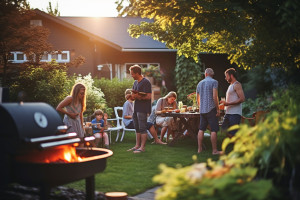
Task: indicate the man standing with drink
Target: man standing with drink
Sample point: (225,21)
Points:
(207,99)
(233,104)
(141,92)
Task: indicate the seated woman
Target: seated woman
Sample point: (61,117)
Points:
(167,123)
(127,118)
(98,124)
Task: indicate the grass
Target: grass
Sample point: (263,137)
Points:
(133,173)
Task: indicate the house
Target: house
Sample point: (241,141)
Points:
(108,49)
(105,44)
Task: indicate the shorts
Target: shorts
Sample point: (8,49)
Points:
(140,122)
(99,135)
(211,119)
(230,120)
(166,122)
(131,125)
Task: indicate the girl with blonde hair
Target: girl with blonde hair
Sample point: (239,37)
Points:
(73,107)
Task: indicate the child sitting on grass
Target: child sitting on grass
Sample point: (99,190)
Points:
(98,124)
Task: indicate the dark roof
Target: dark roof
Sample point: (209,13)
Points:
(111,31)
(114,29)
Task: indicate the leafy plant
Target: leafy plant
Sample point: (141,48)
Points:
(114,90)
(188,74)
(192,98)
(236,28)
(95,97)
(263,164)
(153,71)
(199,181)
(262,102)
(271,147)
(45,83)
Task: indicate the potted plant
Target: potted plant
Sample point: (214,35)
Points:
(153,74)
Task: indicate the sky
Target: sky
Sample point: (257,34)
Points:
(90,8)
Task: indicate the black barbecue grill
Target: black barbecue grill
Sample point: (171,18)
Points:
(31,137)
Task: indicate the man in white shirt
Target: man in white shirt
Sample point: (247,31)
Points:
(233,104)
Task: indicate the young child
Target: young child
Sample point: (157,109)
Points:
(98,124)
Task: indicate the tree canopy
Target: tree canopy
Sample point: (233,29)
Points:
(252,33)
(17,35)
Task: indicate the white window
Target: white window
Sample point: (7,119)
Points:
(60,57)
(17,57)
(36,22)
(142,65)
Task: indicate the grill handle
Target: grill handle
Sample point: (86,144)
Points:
(58,143)
(53,137)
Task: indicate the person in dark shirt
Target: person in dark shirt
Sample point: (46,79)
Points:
(141,92)
(127,117)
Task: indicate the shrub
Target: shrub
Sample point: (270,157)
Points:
(114,90)
(188,74)
(95,97)
(216,182)
(279,99)
(264,162)
(250,106)
(153,71)
(45,83)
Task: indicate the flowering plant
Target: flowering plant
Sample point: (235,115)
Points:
(192,97)
(212,180)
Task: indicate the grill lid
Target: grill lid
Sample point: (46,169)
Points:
(28,120)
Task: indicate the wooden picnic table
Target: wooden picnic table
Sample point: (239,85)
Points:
(187,121)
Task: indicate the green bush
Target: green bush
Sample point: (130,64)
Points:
(188,74)
(95,97)
(114,90)
(153,71)
(279,99)
(45,83)
(250,106)
(264,161)
(219,182)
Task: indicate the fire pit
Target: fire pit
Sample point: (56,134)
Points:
(38,152)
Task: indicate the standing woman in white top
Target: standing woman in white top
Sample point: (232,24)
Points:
(73,107)
(233,104)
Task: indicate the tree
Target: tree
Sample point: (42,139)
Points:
(17,35)
(44,83)
(251,32)
(52,12)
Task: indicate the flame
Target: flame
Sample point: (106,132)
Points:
(70,155)
(61,154)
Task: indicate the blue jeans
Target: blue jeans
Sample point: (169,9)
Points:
(140,122)
(230,120)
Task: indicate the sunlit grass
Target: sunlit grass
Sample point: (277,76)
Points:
(133,173)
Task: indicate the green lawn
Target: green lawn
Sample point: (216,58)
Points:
(132,173)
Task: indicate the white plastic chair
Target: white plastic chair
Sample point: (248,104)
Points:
(123,125)
(118,126)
